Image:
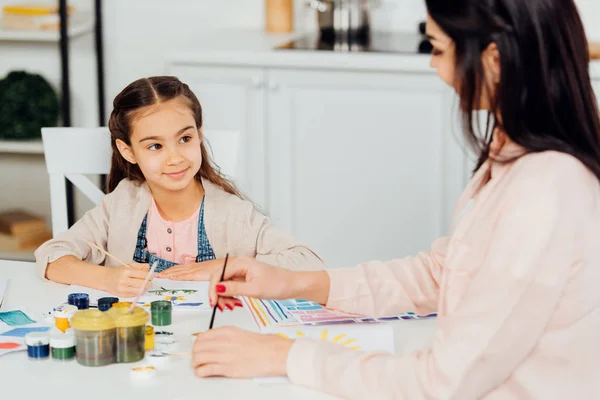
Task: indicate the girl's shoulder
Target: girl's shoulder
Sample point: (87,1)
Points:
(129,192)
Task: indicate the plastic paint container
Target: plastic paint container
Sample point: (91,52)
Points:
(62,346)
(149,343)
(161,312)
(79,300)
(122,304)
(63,315)
(105,303)
(130,333)
(94,338)
(38,345)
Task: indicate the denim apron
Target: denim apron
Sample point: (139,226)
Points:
(143,256)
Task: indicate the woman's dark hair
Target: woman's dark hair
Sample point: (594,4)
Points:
(126,106)
(545,99)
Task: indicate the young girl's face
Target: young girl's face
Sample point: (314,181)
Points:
(165,143)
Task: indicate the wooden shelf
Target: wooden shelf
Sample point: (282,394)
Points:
(21,146)
(17,256)
(79,25)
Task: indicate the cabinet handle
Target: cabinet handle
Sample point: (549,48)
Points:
(257,82)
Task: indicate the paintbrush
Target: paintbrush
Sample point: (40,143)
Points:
(212,319)
(134,302)
(119,261)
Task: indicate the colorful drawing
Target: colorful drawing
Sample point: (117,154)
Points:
(15,318)
(342,339)
(281,313)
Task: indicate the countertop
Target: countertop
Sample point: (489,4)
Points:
(255,48)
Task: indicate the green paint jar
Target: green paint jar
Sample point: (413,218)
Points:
(62,346)
(130,334)
(161,312)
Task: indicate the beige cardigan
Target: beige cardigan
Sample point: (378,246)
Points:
(233,226)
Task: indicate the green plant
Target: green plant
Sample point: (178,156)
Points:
(27,103)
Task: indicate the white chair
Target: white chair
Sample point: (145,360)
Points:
(72,153)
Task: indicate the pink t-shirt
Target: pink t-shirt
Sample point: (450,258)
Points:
(172,241)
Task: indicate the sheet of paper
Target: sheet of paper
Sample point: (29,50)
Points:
(10,344)
(185,295)
(354,337)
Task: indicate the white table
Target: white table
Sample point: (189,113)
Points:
(24,379)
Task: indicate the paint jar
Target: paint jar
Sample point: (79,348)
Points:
(94,338)
(79,300)
(122,304)
(62,346)
(131,333)
(105,303)
(149,343)
(63,315)
(161,312)
(38,345)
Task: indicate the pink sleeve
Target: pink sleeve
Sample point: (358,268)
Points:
(384,288)
(497,320)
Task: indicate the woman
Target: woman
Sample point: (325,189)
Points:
(516,282)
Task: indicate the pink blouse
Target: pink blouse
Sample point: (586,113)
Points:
(172,241)
(516,285)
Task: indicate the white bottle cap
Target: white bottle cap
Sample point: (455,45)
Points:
(37,339)
(62,341)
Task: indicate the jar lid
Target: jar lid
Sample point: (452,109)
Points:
(123,319)
(91,320)
(37,339)
(62,341)
(65,311)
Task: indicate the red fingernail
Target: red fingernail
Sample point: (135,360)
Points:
(220,288)
(229,306)
(239,304)
(220,307)
(211,303)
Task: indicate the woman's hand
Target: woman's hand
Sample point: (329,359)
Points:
(246,276)
(194,272)
(235,353)
(126,281)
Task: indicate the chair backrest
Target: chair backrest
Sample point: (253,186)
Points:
(72,153)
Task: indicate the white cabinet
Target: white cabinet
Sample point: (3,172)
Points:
(596,85)
(358,165)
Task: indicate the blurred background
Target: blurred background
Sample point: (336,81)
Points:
(349,140)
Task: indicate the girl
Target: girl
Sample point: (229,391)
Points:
(167,203)
(516,283)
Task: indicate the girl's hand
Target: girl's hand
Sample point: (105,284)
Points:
(194,272)
(125,281)
(235,353)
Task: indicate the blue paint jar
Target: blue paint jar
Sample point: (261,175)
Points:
(79,300)
(38,345)
(105,303)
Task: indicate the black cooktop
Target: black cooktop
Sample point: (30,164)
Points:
(375,42)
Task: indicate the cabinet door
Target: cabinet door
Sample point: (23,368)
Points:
(362,166)
(234,99)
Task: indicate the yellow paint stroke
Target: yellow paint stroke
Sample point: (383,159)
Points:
(262,312)
(338,337)
(347,342)
(355,348)
(299,333)
(283,335)
(324,334)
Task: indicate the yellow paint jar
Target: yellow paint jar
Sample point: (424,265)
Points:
(94,338)
(122,304)
(63,315)
(149,344)
(130,334)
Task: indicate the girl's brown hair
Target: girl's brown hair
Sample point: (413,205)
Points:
(143,93)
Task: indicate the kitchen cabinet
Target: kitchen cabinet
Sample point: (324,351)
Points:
(359,165)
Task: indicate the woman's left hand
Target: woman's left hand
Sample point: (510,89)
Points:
(236,353)
(193,272)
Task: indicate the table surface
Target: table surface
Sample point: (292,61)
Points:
(174,380)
